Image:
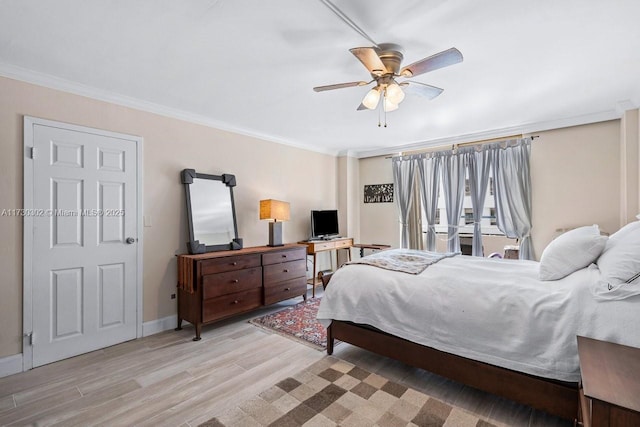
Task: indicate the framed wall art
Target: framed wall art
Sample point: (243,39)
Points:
(378,193)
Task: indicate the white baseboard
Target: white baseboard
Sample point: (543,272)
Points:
(159,325)
(13,364)
(10,365)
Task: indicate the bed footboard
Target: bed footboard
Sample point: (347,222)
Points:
(555,397)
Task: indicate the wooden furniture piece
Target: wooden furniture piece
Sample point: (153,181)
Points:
(610,387)
(316,246)
(372,246)
(555,397)
(511,252)
(217,285)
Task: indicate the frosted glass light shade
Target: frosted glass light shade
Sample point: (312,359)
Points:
(394,93)
(371,99)
(389,106)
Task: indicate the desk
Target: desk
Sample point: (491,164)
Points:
(316,246)
(609,395)
(372,246)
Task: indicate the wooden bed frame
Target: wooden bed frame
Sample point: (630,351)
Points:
(552,396)
(555,397)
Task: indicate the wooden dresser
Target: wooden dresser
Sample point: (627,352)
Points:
(217,285)
(610,387)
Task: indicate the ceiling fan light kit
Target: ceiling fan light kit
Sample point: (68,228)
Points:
(383,63)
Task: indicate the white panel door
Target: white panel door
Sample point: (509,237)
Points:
(84,265)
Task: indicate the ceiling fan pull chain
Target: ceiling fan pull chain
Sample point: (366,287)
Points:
(384,100)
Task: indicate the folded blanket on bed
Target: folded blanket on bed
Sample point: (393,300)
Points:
(404,260)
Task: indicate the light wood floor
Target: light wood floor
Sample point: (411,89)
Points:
(169,380)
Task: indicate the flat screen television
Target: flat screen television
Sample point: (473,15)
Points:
(324,224)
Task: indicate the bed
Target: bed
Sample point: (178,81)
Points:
(488,323)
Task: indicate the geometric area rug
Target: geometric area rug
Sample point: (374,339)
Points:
(297,322)
(332,392)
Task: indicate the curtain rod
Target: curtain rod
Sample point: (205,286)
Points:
(461,144)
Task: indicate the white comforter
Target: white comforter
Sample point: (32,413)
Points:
(491,310)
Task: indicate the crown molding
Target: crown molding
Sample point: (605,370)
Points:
(52,82)
(524,129)
(46,80)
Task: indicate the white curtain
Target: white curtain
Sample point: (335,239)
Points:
(429,169)
(403,182)
(453,177)
(512,185)
(478,160)
(416,241)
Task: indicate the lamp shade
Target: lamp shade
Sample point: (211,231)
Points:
(389,106)
(394,93)
(371,98)
(275,210)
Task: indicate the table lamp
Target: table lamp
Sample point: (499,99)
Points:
(276,212)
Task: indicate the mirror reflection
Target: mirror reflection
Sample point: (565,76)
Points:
(212,212)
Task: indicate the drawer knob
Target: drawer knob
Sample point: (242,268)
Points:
(234,263)
(235,280)
(287,289)
(236,301)
(286,271)
(284,256)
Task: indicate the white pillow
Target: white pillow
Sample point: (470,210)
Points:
(571,252)
(621,262)
(622,233)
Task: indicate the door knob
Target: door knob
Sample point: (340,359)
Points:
(130,240)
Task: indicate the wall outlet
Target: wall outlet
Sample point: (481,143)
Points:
(173,296)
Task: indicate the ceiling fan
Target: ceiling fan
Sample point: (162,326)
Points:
(383,61)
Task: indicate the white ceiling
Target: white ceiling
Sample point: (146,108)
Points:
(249,65)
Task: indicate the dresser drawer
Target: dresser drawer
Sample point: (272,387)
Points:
(224,306)
(229,263)
(275,273)
(214,285)
(284,256)
(285,290)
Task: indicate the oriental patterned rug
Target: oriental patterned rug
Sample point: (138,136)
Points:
(332,392)
(297,322)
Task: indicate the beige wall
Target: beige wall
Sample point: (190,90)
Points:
(378,221)
(630,166)
(263,170)
(575,178)
(575,175)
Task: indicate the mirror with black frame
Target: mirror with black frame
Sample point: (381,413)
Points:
(211,212)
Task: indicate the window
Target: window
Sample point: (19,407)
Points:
(465,223)
(492,216)
(468,216)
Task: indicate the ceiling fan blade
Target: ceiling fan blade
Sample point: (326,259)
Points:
(339,86)
(433,62)
(421,89)
(370,59)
